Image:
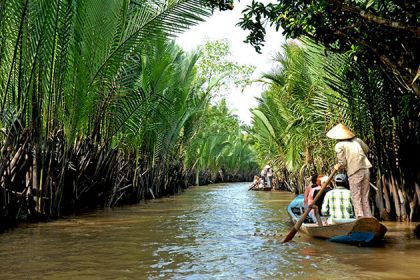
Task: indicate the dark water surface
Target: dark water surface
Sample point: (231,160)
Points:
(205,233)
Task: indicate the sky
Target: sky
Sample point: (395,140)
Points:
(222,25)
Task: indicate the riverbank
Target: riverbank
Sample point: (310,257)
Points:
(208,232)
(36,190)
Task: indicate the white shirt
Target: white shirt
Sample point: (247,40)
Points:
(351,154)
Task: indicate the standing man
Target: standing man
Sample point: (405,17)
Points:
(263,175)
(269,175)
(351,155)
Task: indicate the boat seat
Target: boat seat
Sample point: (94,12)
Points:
(298,211)
(309,220)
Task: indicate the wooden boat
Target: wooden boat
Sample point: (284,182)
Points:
(362,231)
(265,188)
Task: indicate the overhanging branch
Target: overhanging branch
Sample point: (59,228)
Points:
(376,19)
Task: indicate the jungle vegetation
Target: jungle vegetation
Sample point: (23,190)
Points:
(366,74)
(308,94)
(99,107)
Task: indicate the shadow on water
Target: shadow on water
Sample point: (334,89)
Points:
(213,232)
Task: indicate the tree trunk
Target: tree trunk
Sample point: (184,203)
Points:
(380,199)
(396,198)
(197,177)
(403,204)
(386,195)
(413,204)
(35,181)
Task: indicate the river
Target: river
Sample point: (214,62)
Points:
(211,232)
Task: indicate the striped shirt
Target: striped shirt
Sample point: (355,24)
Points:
(338,204)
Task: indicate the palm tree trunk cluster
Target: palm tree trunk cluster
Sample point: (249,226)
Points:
(98,107)
(40,181)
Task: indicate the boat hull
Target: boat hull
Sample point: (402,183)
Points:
(261,189)
(363,231)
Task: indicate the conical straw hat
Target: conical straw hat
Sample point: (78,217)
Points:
(340,132)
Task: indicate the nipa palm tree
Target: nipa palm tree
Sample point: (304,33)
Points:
(68,92)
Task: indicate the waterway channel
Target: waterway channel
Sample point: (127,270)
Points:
(211,232)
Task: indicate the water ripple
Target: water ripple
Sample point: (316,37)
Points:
(213,232)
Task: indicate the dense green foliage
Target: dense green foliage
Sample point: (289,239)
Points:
(309,93)
(385,33)
(219,144)
(98,108)
(295,112)
(373,78)
(216,70)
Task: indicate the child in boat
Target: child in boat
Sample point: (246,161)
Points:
(319,182)
(338,203)
(314,188)
(320,200)
(308,188)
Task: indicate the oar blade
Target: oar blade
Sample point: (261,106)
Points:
(290,236)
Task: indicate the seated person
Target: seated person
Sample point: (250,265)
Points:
(320,200)
(337,203)
(261,184)
(308,189)
(321,180)
(255,182)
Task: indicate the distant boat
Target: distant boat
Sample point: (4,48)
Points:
(262,189)
(363,231)
(256,188)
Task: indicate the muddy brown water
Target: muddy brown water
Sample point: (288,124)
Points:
(210,232)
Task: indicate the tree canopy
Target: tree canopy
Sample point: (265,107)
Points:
(384,33)
(310,92)
(99,107)
(217,70)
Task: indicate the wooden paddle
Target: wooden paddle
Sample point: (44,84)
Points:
(296,227)
(253,186)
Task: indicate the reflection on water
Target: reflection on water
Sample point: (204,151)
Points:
(214,232)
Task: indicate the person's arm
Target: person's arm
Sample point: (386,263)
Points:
(326,205)
(341,155)
(365,147)
(305,195)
